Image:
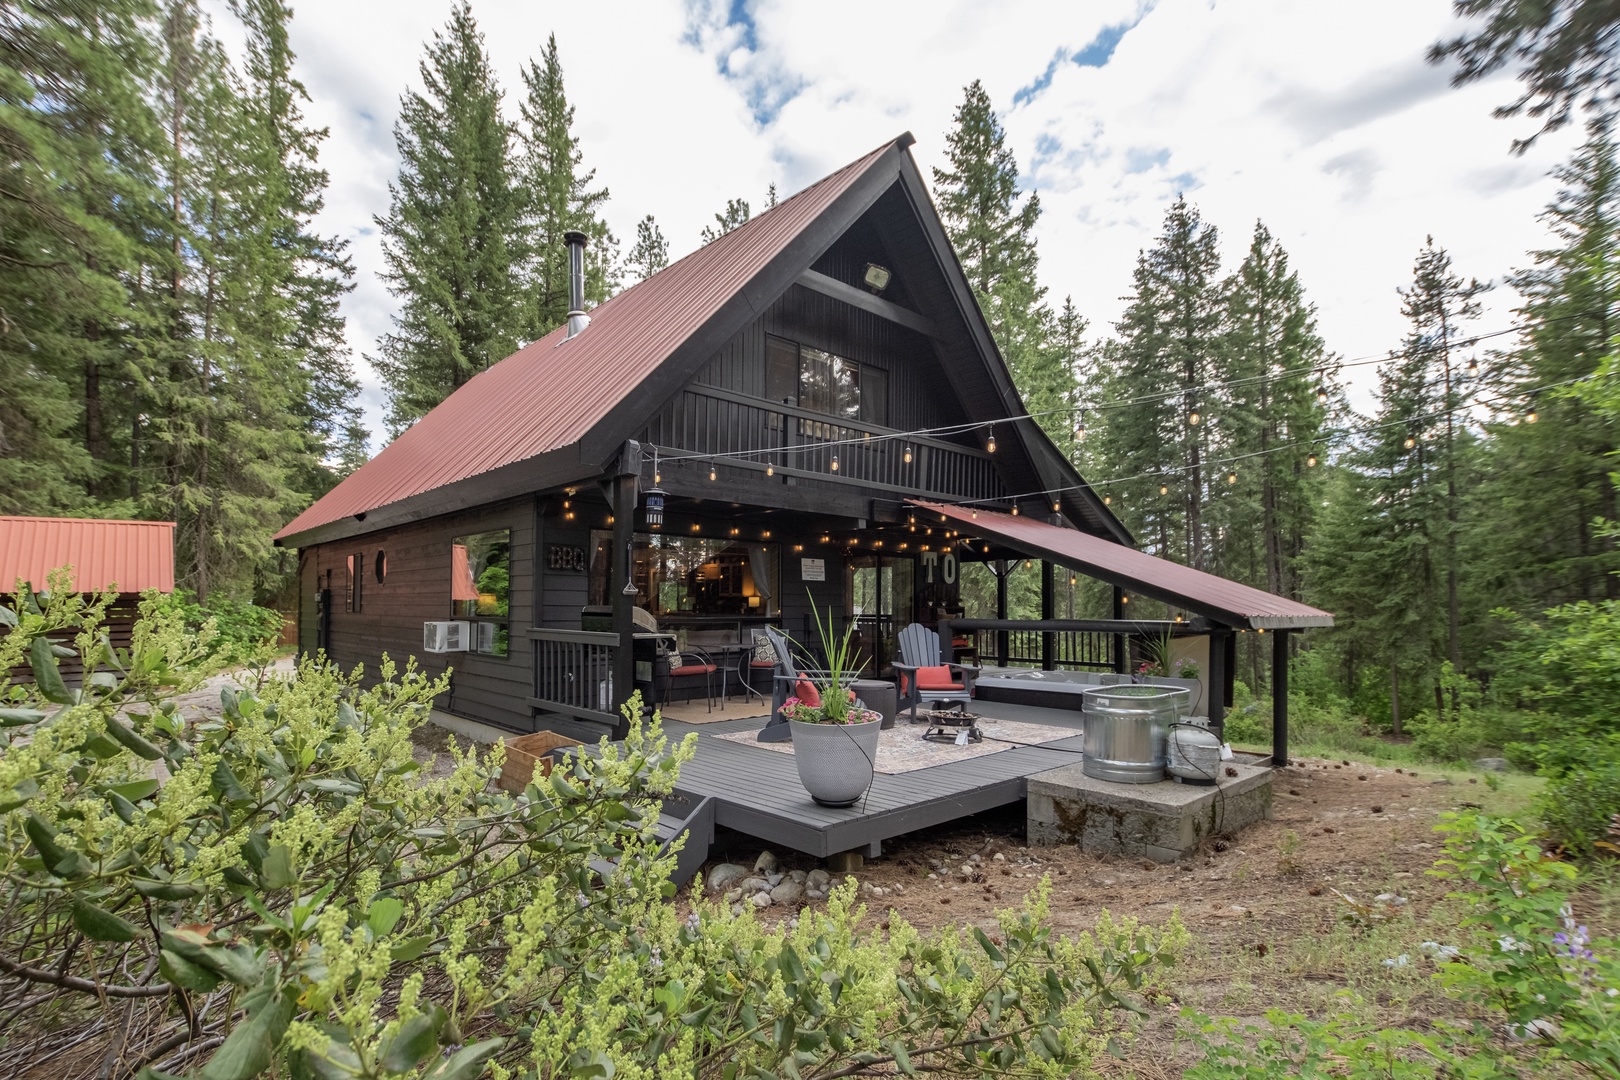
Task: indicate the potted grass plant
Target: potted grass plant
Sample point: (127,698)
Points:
(835,737)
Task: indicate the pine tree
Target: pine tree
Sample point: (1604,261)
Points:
(1548,482)
(559,198)
(79,139)
(650,253)
(448,235)
(736,213)
(991,225)
(1155,418)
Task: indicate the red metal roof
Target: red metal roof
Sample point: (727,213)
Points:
(132,555)
(551,393)
(1204,593)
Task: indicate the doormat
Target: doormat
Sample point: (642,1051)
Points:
(903,749)
(696,712)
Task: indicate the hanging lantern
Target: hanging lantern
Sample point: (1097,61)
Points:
(655,506)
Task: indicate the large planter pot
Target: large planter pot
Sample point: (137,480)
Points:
(835,760)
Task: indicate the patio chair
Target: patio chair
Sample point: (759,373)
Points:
(926,676)
(788,673)
(694,664)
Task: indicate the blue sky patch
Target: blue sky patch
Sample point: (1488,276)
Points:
(1025,94)
(1139,159)
(1102,47)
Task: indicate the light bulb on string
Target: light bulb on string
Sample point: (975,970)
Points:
(1164,489)
(1015,510)
(1192,418)
(990,445)
(1080,426)
(1410,442)
(1108,500)
(770,468)
(1310,460)
(713,474)
(908,455)
(835,463)
(1231,478)
(1532,416)
(1321,395)
(1473,368)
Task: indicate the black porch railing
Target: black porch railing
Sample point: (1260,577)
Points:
(573,673)
(798,442)
(1090,650)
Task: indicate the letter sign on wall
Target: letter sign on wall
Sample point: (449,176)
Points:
(565,557)
(930,560)
(950,568)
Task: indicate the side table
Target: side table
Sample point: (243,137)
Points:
(879,696)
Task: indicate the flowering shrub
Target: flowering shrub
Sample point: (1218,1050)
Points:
(795,709)
(279,890)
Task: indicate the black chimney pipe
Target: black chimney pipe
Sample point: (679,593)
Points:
(577,319)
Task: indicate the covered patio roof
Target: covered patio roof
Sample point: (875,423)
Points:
(1206,594)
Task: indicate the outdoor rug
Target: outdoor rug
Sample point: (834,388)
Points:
(695,712)
(902,748)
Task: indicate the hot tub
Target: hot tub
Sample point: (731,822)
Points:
(1046,689)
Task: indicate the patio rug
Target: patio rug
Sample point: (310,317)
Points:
(902,748)
(695,712)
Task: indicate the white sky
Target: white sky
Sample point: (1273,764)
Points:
(1321,119)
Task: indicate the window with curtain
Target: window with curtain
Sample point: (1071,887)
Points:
(690,575)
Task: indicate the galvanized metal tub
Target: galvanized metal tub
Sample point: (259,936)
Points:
(1126,733)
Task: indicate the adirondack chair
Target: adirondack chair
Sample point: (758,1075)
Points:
(919,649)
(788,673)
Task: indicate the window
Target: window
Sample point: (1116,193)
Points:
(819,381)
(354,576)
(689,575)
(481,587)
(381,567)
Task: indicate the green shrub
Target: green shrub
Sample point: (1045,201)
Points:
(1579,806)
(295,897)
(239,631)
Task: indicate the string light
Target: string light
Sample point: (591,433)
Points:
(1164,489)
(1080,425)
(835,463)
(1108,500)
(1410,442)
(1015,510)
(770,469)
(1473,368)
(991,444)
(908,454)
(1310,460)
(1231,478)
(1192,418)
(713,474)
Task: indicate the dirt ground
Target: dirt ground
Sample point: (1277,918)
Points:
(1267,923)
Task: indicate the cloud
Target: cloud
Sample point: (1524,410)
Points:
(1322,120)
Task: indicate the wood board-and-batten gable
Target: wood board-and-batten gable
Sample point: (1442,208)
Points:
(666,329)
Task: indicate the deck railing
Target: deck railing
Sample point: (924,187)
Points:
(573,673)
(1054,644)
(798,442)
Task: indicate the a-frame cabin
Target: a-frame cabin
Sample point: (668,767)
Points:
(792,391)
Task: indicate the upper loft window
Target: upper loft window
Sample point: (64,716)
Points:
(824,383)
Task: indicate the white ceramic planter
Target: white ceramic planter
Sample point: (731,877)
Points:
(835,761)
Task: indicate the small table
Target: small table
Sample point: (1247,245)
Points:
(733,654)
(879,696)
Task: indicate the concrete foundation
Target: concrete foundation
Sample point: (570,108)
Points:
(1162,821)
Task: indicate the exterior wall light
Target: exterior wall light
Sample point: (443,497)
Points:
(876,277)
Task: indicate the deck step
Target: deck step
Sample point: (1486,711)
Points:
(682,817)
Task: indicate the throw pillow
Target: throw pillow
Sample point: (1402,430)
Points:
(675,660)
(806,691)
(936,678)
(764,653)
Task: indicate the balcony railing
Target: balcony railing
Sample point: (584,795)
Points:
(798,442)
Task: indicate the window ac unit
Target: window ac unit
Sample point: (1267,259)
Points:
(442,637)
(484,635)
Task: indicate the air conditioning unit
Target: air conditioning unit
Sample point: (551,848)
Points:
(483,639)
(442,637)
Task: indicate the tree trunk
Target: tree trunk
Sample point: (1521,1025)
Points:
(1394,697)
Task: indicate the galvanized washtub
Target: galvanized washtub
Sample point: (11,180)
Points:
(1127,727)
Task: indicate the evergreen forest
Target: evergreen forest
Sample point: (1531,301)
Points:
(173,344)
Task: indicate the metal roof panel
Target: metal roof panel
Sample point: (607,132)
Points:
(133,555)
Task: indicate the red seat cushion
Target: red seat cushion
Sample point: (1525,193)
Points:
(936,678)
(762,663)
(806,691)
(692,669)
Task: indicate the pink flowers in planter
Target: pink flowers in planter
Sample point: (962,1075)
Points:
(795,708)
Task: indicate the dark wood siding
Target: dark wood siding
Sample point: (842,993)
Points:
(417,590)
(120,620)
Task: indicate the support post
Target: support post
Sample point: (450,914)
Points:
(1001,611)
(1120,658)
(1279,698)
(1218,675)
(627,473)
(1048,600)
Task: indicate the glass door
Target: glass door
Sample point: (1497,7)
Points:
(879,594)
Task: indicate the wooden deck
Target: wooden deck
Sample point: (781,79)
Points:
(757,791)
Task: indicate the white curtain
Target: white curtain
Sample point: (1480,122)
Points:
(759,561)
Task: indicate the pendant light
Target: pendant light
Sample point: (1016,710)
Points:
(1310,460)
(908,454)
(991,444)
(1192,418)
(835,463)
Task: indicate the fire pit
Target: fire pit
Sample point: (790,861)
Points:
(949,725)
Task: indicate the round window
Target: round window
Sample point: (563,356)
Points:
(382,567)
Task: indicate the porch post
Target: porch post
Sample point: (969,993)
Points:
(1048,639)
(1001,611)
(628,472)
(1120,658)
(1279,698)
(1217,681)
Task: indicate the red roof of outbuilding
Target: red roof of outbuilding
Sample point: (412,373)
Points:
(1204,593)
(552,392)
(132,555)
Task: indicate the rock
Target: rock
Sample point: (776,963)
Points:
(1491,764)
(999,857)
(736,909)
(818,879)
(724,875)
(774,879)
(754,884)
(733,896)
(761,900)
(815,894)
(798,875)
(765,863)
(788,892)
